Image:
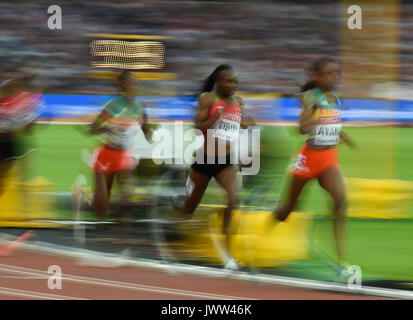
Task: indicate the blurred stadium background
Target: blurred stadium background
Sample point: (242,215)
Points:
(270,44)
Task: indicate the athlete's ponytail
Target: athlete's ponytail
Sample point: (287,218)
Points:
(212,78)
(308,86)
(316,66)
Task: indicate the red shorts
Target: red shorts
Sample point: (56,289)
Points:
(312,161)
(109,160)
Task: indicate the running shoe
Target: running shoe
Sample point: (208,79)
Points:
(231,265)
(79,198)
(342,273)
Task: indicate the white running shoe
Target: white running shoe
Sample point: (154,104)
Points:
(79,196)
(343,274)
(231,265)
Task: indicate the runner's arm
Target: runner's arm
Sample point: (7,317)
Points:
(201,121)
(147,128)
(98,125)
(246,120)
(306,123)
(344,137)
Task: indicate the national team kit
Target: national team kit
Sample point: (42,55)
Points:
(318,153)
(320,150)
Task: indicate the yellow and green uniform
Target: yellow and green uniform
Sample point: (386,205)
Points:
(126,117)
(327,132)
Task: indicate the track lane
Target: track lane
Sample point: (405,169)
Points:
(27,271)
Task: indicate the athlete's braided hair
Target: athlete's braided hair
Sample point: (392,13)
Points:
(212,78)
(316,67)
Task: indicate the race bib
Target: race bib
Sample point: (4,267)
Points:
(327,134)
(225,129)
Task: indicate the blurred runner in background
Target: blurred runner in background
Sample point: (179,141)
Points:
(120,122)
(20,105)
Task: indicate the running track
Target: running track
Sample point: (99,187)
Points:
(23,275)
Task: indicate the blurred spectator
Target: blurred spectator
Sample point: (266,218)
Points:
(269,43)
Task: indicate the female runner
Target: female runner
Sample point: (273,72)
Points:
(219,116)
(320,120)
(120,120)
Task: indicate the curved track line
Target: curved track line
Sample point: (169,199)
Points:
(119,284)
(36,295)
(69,252)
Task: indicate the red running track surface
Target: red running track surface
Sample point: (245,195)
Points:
(24,276)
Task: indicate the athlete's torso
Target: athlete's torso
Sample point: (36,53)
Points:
(127,117)
(227,127)
(327,132)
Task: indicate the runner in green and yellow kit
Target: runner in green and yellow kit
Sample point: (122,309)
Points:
(120,121)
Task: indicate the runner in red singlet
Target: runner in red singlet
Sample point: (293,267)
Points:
(222,112)
(19,107)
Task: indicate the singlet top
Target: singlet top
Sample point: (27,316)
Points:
(19,109)
(127,117)
(227,127)
(327,133)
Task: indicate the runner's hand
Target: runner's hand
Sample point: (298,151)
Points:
(354,146)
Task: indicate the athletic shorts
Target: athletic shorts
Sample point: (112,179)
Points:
(13,148)
(311,161)
(211,170)
(8,150)
(109,160)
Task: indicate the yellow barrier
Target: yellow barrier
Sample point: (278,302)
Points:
(10,200)
(379,199)
(257,239)
(23,203)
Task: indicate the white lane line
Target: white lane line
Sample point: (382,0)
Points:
(69,252)
(36,295)
(120,285)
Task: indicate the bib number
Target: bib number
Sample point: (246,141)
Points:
(226,130)
(327,134)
